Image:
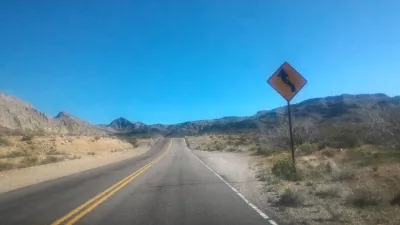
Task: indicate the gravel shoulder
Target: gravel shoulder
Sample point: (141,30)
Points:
(239,169)
(13,179)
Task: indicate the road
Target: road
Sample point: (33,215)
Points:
(167,185)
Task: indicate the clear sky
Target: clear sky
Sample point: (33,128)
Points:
(174,61)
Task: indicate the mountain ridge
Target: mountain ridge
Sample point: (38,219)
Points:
(16,114)
(329,109)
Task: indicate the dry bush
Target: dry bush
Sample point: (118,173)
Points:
(308,148)
(328,192)
(28,161)
(51,159)
(285,169)
(344,174)
(27,137)
(291,197)
(328,152)
(364,197)
(91,153)
(6,166)
(5,142)
(14,154)
(74,157)
(384,127)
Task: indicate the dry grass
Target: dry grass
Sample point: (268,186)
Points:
(291,197)
(31,150)
(331,191)
(350,186)
(364,197)
(5,142)
(222,142)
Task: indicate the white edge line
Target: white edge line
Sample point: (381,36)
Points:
(261,213)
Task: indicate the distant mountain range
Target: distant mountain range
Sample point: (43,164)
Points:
(19,115)
(334,109)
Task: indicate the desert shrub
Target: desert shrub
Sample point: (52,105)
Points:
(5,142)
(28,161)
(326,192)
(91,153)
(96,138)
(291,197)
(51,159)
(321,171)
(285,169)
(230,149)
(266,151)
(308,148)
(323,144)
(364,197)
(27,137)
(344,174)
(344,140)
(15,154)
(133,142)
(309,183)
(328,152)
(230,142)
(241,141)
(55,152)
(218,146)
(6,166)
(74,157)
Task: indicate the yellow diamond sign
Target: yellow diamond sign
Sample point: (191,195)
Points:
(287,81)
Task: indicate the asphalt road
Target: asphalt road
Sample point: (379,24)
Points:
(167,185)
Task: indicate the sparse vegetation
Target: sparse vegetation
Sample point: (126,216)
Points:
(285,169)
(291,197)
(5,142)
(364,197)
(327,192)
(91,153)
(74,157)
(51,159)
(14,154)
(6,166)
(96,138)
(344,174)
(308,148)
(28,161)
(27,137)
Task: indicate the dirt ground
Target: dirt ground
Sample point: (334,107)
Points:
(44,158)
(334,186)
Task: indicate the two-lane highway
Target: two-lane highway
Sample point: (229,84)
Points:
(167,185)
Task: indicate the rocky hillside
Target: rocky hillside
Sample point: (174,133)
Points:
(17,115)
(334,109)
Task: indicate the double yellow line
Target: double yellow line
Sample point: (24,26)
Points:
(92,203)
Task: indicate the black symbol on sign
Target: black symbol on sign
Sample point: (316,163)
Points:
(285,78)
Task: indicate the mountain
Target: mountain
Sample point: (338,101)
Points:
(18,115)
(333,109)
(77,126)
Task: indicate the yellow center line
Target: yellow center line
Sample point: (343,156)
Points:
(112,190)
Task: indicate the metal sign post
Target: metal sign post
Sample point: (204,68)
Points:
(291,131)
(287,82)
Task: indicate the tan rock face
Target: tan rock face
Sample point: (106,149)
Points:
(16,114)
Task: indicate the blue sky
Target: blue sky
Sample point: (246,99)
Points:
(174,61)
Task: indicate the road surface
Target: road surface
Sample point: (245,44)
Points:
(167,185)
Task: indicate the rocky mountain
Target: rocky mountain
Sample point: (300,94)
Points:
(333,109)
(17,115)
(77,126)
